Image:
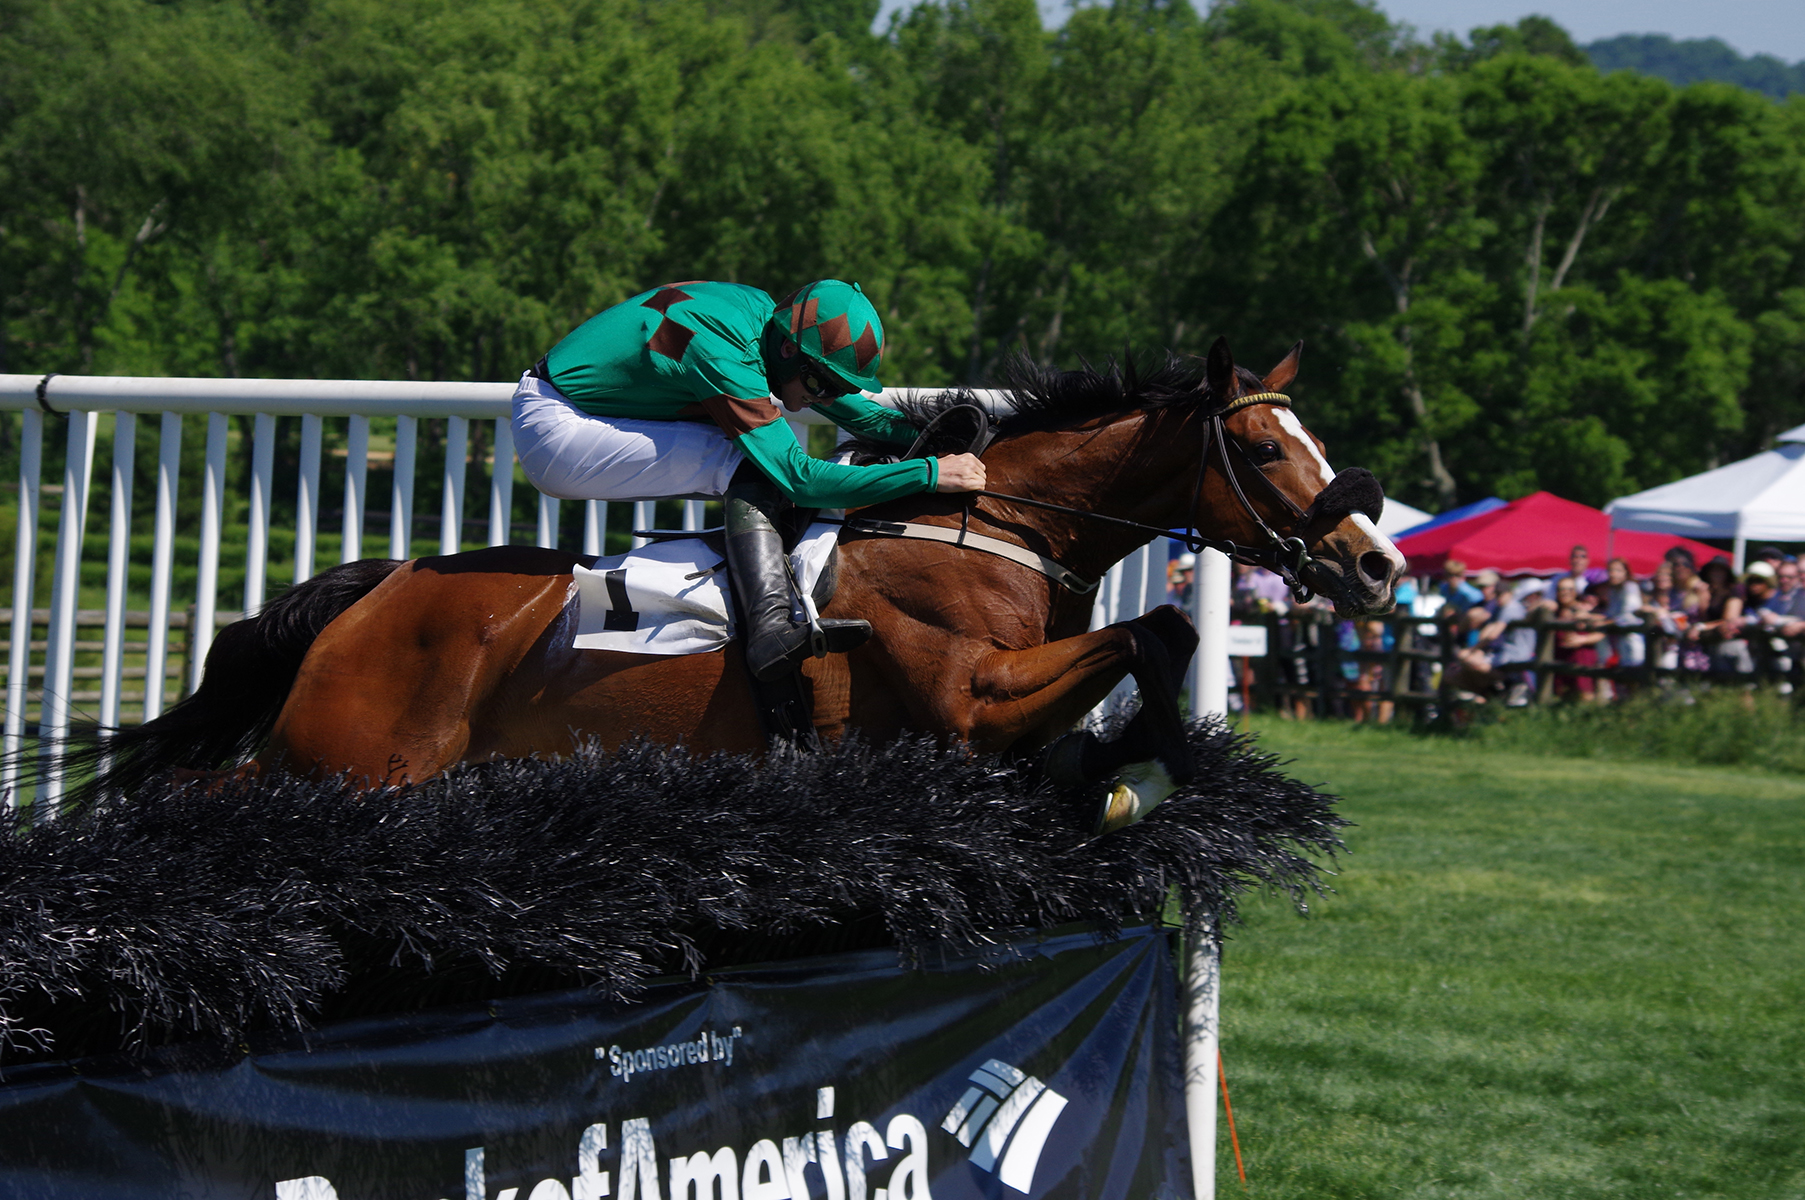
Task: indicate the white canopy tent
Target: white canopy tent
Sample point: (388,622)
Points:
(1760,498)
(1399,516)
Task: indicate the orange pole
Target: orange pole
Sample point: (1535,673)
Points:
(1230,1110)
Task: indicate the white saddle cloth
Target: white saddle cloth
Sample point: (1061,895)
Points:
(671,597)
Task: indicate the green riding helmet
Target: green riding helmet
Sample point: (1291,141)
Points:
(833,324)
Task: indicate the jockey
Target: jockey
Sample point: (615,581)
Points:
(675,392)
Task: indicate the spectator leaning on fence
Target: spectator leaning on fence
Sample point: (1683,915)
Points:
(1623,606)
(1581,571)
(1500,654)
(1719,626)
(1473,617)
(1181,576)
(1788,601)
(1455,591)
(1576,646)
(1258,590)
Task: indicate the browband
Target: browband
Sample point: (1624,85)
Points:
(1240,402)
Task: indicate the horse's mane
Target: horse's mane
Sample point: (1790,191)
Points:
(1039,397)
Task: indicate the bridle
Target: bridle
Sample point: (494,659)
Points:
(1287,557)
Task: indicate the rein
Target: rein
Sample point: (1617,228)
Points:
(1286,557)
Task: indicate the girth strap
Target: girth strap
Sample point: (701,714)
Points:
(975,541)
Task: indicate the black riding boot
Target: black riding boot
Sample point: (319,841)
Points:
(775,645)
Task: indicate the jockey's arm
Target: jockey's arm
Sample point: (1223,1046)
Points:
(816,483)
(869,420)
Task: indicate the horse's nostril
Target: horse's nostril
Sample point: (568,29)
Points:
(1375,567)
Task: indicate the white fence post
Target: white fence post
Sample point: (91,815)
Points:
(548,522)
(501,484)
(357,469)
(451,520)
(263,481)
(595,526)
(401,496)
(1203,974)
(162,564)
(119,555)
(307,497)
(213,513)
(59,655)
(25,559)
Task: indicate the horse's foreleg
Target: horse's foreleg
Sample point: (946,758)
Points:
(1025,698)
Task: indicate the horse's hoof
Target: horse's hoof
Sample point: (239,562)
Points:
(1138,792)
(1063,766)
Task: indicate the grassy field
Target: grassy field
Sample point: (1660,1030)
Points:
(1537,977)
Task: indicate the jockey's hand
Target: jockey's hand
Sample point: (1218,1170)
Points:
(961,473)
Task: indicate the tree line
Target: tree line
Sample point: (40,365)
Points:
(1511,271)
(1689,60)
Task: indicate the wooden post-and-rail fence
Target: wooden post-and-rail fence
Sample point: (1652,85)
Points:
(1308,671)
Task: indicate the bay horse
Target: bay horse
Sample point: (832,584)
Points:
(387,672)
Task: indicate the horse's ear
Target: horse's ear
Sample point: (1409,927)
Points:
(1220,371)
(1280,377)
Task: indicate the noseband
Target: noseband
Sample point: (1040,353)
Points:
(1287,557)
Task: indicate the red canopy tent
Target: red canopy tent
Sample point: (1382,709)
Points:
(1535,535)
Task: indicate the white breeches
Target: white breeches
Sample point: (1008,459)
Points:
(571,455)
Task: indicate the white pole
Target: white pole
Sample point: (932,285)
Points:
(59,655)
(457,449)
(307,498)
(401,497)
(1203,968)
(1741,552)
(1203,984)
(693,514)
(213,515)
(595,527)
(263,480)
(645,516)
(501,484)
(112,662)
(357,469)
(1209,601)
(162,555)
(548,522)
(25,559)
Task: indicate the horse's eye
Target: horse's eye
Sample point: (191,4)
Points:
(1267,452)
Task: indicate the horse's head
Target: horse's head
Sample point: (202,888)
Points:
(1264,478)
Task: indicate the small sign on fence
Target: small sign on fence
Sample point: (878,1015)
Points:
(1247,641)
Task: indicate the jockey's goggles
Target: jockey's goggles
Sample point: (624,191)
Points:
(821,383)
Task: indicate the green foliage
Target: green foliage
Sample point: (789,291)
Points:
(1693,60)
(1536,976)
(1722,727)
(1512,272)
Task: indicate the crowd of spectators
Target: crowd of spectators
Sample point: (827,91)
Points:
(1715,623)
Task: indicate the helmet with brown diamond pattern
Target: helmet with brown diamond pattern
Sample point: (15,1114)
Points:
(833,325)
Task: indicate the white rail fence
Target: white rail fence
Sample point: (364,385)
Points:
(82,405)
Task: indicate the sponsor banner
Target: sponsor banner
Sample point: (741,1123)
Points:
(1052,1074)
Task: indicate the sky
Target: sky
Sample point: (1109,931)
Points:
(1774,27)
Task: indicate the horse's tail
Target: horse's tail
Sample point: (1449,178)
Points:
(250,669)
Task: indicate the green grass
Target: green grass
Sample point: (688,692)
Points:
(1538,977)
(1721,726)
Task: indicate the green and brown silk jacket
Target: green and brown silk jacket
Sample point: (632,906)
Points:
(690,352)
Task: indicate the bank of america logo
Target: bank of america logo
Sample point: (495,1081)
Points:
(1005,1115)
